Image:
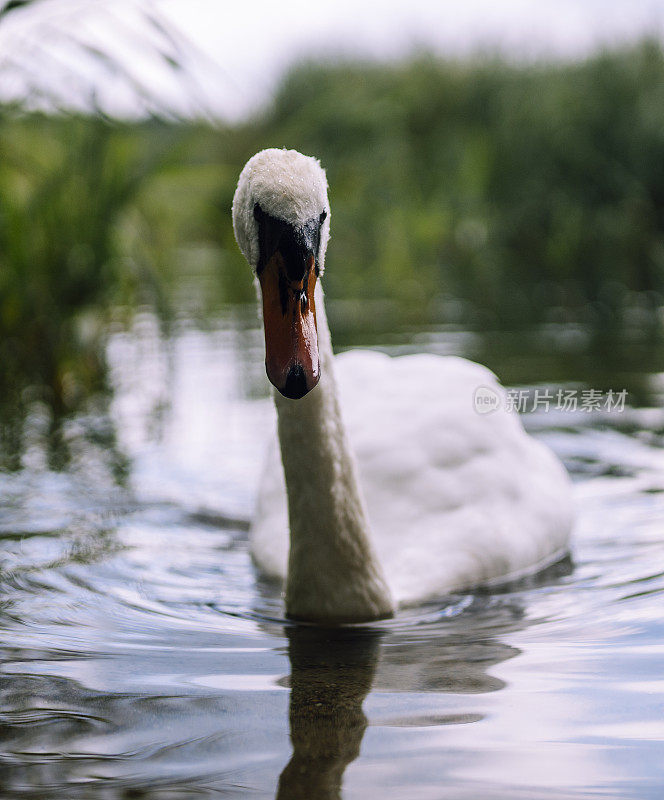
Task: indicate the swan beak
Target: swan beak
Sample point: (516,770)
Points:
(289,318)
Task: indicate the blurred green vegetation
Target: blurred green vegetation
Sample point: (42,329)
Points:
(69,191)
(530,191)
(482,193)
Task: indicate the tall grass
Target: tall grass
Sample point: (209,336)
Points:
(71,230)
(65,185)
(75,238)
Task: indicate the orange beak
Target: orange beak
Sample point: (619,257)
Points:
(289,318)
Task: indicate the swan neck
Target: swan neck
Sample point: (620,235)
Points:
(333,573)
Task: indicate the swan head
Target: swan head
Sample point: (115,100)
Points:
(281,219)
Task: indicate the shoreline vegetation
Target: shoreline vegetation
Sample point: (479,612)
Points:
(479,193)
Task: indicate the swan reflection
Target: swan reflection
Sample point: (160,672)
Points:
(332,671)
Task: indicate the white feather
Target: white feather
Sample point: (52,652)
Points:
(286,185)
(455,498)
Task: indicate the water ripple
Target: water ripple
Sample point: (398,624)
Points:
(144,657)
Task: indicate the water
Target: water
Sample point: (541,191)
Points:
(142,657)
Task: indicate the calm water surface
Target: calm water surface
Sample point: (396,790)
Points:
(142,657)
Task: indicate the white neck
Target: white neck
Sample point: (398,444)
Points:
(333,573)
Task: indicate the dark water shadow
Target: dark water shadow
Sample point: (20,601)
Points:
(332,672)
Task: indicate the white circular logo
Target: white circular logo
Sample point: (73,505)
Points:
(486,400)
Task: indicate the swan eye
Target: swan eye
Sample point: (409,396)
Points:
(322,217)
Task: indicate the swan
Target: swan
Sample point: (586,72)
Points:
(411,493)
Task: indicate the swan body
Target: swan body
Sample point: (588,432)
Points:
(455,499)
(384,485)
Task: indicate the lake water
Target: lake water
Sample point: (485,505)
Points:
(142,656)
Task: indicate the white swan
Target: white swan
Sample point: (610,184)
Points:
(442,498)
